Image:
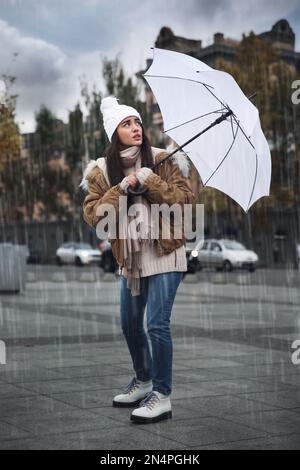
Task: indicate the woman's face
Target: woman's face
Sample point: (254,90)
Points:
(130,131)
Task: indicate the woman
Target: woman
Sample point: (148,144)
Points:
(150,268)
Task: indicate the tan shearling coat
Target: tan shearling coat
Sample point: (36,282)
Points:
(169,183)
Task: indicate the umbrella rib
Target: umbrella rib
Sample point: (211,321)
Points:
(194,119)
(231,126)
(254,181)
(223,158)
(256,163)
(195,81)
(191,80)
(238,124)
(179,78)
(218,99)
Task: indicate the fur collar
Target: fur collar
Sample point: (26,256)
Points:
(100,163)
(180,158)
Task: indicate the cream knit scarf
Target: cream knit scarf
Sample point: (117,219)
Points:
(138,227)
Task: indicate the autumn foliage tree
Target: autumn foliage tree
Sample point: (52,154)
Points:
(258,67)
(10,145)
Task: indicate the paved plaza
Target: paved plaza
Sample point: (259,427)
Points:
(235,385)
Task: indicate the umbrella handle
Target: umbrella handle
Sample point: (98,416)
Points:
(139,191)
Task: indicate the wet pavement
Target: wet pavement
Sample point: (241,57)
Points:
(235,385)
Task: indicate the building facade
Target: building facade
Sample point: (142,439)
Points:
(277,242)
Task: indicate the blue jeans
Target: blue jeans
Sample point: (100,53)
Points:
(158,293)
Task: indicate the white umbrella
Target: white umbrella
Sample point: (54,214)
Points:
(232,154)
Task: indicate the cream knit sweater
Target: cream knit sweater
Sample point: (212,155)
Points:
(151,263)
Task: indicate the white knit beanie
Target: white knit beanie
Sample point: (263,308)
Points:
(114,113)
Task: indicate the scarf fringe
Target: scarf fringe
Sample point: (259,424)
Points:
(132,265)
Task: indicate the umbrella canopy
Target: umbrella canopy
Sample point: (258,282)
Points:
(233,156)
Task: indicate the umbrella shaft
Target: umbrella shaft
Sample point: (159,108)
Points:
(217,121)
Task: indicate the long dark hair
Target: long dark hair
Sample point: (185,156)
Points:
(113,161)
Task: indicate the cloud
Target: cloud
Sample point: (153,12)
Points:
(59,41)
(44,74)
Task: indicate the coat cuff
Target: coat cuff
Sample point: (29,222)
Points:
(124,185)
(143,174)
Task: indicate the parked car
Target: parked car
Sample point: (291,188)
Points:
(78,253)
(108,261)
(222,254)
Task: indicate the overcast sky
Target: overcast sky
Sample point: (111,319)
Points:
(58,41)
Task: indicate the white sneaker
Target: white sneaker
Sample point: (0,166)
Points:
(155,407)
(135,392)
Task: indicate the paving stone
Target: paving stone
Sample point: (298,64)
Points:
(234,384)
(117,438)
(12,406)
(283,399)
(282,442)
(62,422)
(9,391)
(206,430)
(272,422)
(9,431)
